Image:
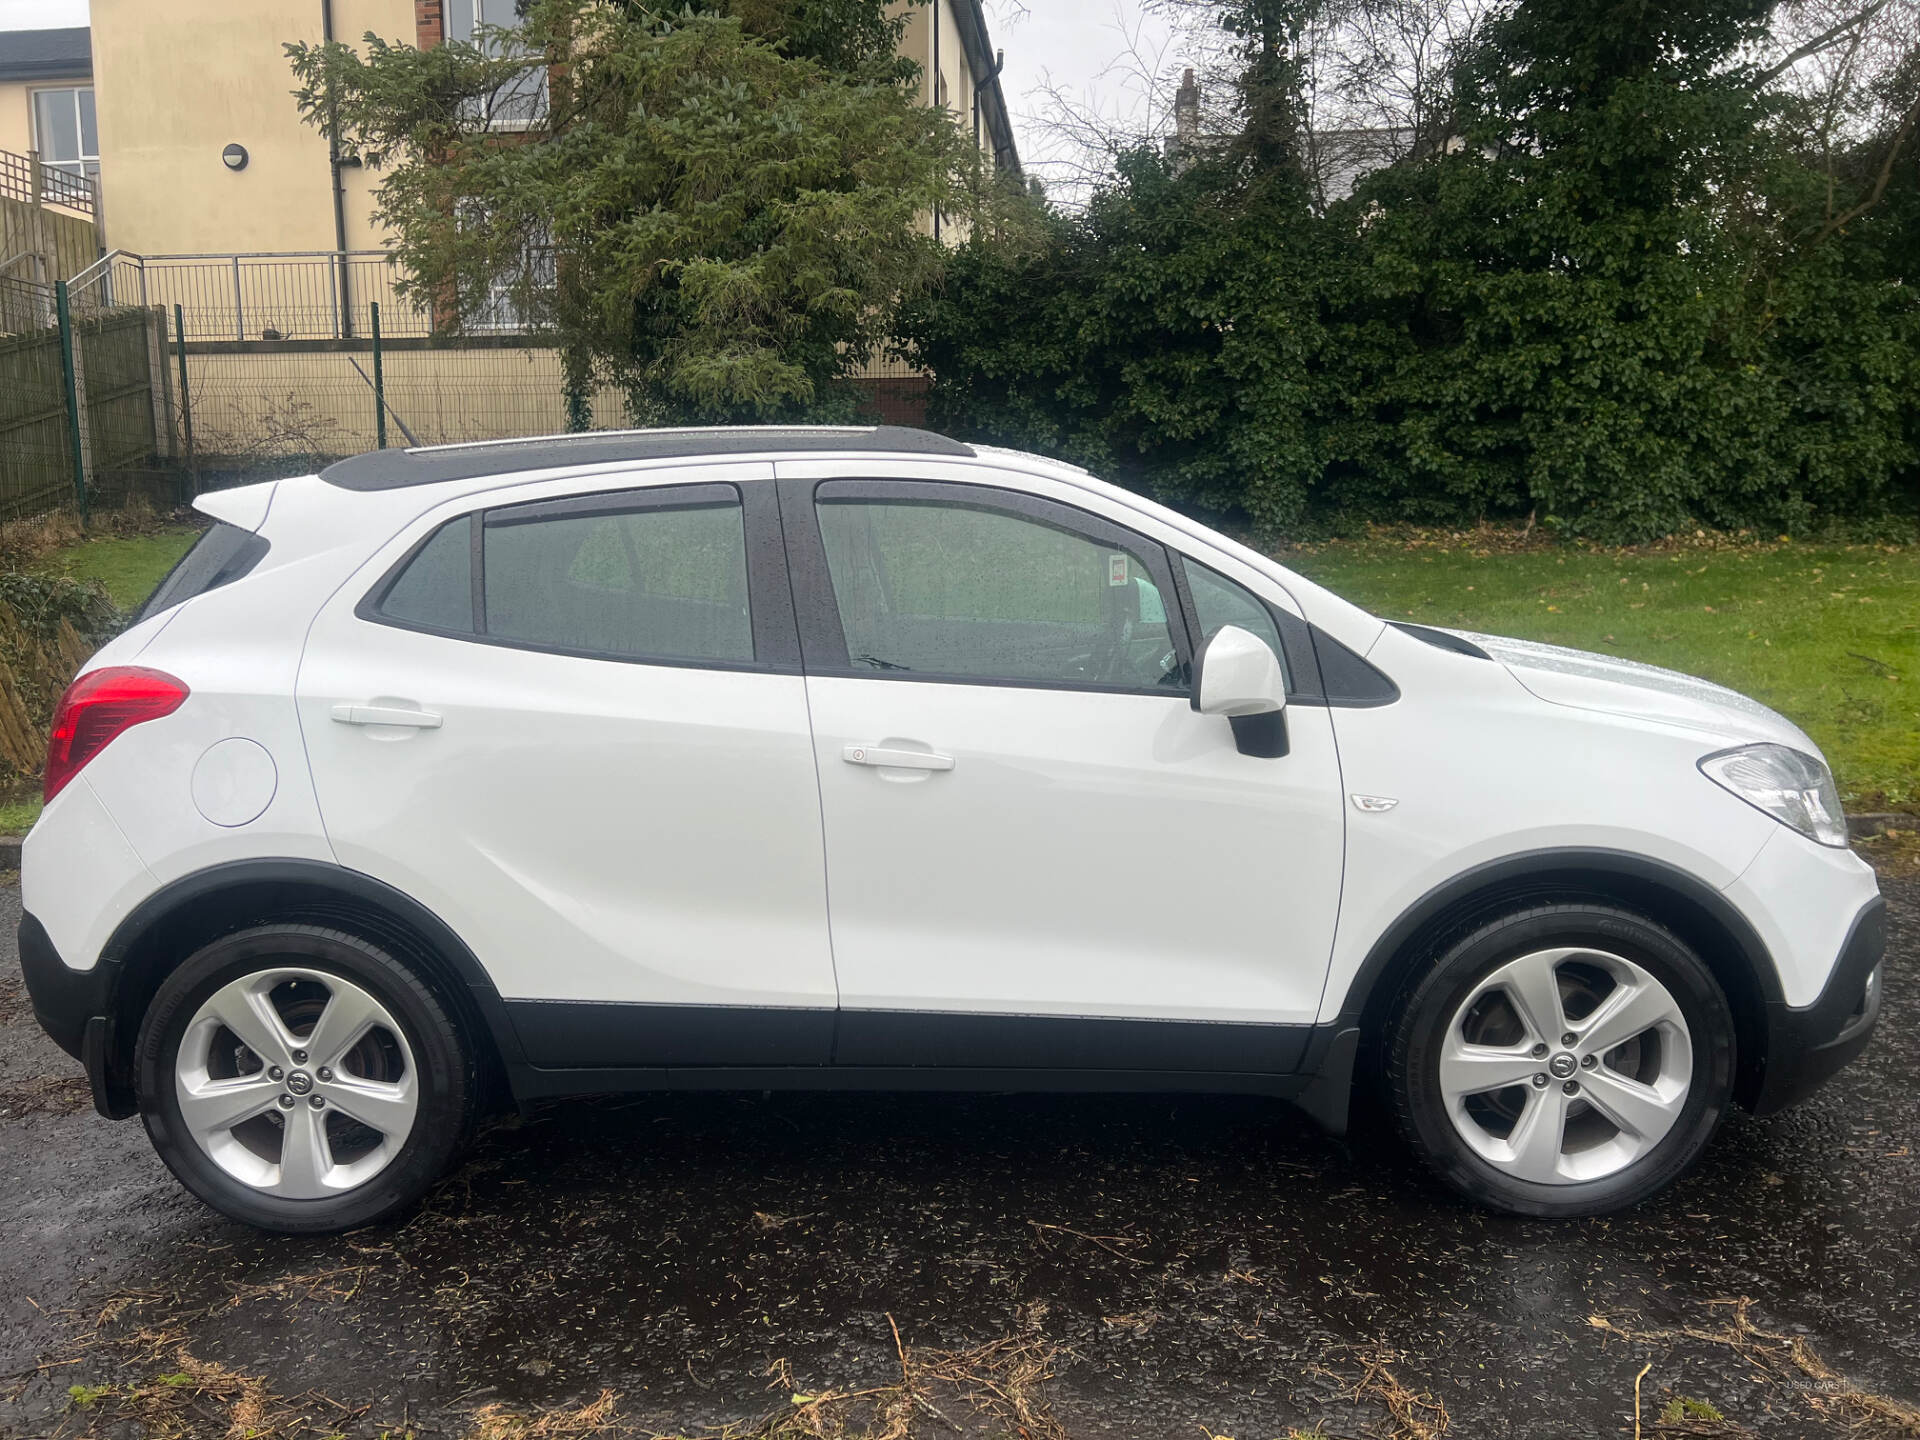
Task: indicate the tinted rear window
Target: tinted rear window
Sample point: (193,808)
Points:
(436,588)
(219,557)
(656,575)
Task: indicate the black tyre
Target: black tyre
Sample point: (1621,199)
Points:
(303,1080)
(1564,1060)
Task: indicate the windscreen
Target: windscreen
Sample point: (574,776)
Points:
(219,557)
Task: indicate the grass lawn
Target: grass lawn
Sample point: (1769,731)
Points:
(128,566)
(1827,635)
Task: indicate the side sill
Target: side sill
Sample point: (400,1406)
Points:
(586,1048)
(535,1082)
(1082,1044)
(612,1036)
(607,1035)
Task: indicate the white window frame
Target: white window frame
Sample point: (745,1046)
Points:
(84,166)
(520,105)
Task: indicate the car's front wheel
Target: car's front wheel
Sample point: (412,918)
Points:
(1565,1060)
(302,1079)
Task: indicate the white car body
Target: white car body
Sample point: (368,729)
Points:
(649,875)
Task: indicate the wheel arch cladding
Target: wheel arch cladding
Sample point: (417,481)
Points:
(1691,909)
(178,919)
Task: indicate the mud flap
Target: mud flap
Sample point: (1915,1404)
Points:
(112,1096)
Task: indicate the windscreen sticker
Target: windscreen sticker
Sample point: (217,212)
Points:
(1116,569)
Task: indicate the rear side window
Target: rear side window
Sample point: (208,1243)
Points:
(644,575)
(435,590)
(654,583)
(219,557)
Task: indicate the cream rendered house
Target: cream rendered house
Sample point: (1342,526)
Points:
(47,215)
(46,98)
(221,201)
(202,151)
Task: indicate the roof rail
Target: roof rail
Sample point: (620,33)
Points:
(432,464)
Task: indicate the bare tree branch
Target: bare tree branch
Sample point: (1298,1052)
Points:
(1901,135)
(1818,43)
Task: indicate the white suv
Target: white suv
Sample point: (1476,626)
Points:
(864,758)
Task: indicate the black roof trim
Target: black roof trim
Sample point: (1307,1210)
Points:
(46,54)
(393,469)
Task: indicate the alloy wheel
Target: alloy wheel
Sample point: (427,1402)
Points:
(1566,1065)
(296,1082)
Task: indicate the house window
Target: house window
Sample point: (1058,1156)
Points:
(521,103)
(64,132)
(511,303)
(505,309)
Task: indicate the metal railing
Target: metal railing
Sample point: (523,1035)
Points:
(85,402)
(26,305)
(180,372)
(285,295)
(32,181)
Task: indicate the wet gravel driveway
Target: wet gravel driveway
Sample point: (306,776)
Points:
(1171,1264)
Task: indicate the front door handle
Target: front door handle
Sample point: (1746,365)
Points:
(386,715)
(899,759)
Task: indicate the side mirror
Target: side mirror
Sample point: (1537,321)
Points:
(1239,676)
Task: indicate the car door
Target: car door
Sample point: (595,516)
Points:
(1038,854)
(573,726)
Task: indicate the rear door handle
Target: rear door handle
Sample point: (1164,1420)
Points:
(900,759)
(386,715)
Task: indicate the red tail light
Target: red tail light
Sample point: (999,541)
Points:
(97,707)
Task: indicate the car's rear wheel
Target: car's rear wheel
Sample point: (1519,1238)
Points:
(1565,1060)
(302,1079)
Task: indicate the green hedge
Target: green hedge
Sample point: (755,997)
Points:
(1618,306)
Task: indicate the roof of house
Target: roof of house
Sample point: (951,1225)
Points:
(391,469)
(46,54)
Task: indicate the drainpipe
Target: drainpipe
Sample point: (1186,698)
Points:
(345,326)
(993,77)
(934,95)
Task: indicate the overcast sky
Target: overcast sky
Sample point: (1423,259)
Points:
(1079,47)
(1091,52)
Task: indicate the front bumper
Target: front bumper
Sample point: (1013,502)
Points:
(1808,1044)
(75,1007)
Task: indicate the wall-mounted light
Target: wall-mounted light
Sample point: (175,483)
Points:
(234,157)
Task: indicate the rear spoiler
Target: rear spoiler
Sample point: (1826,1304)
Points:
(245,506)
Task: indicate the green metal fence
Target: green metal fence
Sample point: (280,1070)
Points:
(36,469)
(86,408)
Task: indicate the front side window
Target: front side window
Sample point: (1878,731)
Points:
(949,589)
(64,130)
(1219,602)
(656,575)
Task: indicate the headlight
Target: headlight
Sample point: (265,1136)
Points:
(1795,789)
